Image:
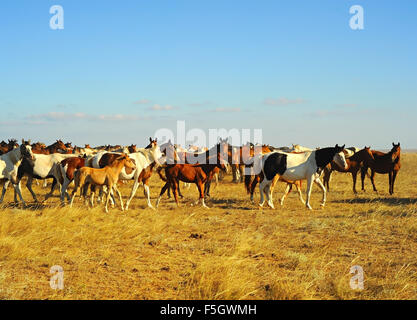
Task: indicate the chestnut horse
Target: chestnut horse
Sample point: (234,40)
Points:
(354,163)
(191,173)
(108,176)
(57,147)
(384,163)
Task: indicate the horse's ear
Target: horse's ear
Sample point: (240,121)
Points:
(398,144)
(150,139)
(343,146)
(393,144)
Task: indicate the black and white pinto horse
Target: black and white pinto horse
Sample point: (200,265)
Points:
(296,166)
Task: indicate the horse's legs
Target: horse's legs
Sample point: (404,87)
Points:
(320,184)
(164,188)
(394,176)
(29,186)
(5,186)
(363,174)
(54,184)
(372,179)
(287,190)
(64,188)
(174,187)
(354,176)
(179,190)
(310,181)
(262,186)
(252,188)
(300,194)
(241,172)
(326,177)
(18,191)
(132,193)
(390,174)
(147,194)
(200,186)
(120,196)
(270,189)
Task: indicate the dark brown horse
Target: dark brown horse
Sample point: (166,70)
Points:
(191,173)
(6,147)
(385,163)
(354,163)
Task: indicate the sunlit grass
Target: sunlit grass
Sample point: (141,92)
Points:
(232,251)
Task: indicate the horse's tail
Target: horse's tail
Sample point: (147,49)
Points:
(159,171)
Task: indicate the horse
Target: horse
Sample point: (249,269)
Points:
(44,166)
(190,158)
(296,166)
(143,158)
(191,173)
(384,163)
(8,146)
(56,147)
(354,163)
(107,176)
(9,164)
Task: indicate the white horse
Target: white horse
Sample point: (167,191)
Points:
(298,148)
(9,164)
(143,158)
(296,166)
(44,166)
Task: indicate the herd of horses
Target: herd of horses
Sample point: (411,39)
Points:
(104,167)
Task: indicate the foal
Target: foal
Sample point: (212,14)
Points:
(108,176)
(384,163)
(196,173)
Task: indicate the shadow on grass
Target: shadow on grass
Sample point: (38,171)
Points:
(391,200)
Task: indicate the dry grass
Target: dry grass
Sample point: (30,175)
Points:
(232,251)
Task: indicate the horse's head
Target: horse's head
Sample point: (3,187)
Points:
(395,151)
(155,150)
(169,151)
(132,148)
(222,164)
(129,163)
(26,151)
(59,145)
(339,157)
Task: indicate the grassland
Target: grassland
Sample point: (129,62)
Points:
(232,251)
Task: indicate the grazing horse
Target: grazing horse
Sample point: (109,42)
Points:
(107,176)
(296,166)
(191,173)
(9,164)
(384,163)
(354,163)
(143,158)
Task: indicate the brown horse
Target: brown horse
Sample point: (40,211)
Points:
(238,157)
(354,165)
(6,147)
(385,163)
(56,147)
(108,176)
(191,173)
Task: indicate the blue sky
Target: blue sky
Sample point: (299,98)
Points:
(121,70)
